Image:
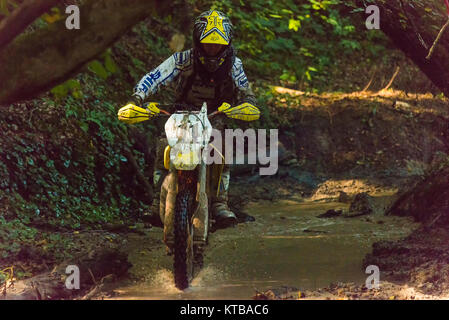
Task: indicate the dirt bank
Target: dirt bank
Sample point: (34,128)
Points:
(372,135)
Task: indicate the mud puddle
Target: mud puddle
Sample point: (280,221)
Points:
(286,245)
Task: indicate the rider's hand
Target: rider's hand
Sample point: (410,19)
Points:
(153,109)
(131,113)
(136,101)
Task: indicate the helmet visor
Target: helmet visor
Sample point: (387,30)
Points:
(212,49)
(212,56)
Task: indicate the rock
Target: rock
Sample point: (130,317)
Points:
(363,204)
(243,217)
(292,162)
(313,231)
(402,105)
(308,179)
(426,201)
(344,197)
(331,214)
(285,155)
(282,293)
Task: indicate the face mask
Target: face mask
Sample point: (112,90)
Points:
(211,64)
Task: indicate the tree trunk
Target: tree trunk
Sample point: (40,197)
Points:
(427,202)
(413,26)
(36,62)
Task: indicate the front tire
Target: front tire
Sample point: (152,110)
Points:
(183,246)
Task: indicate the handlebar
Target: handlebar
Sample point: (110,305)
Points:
(182,105)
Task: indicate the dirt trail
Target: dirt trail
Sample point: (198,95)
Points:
(287,245)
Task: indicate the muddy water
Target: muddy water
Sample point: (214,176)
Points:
(286,245)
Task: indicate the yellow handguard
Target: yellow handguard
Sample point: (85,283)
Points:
(131,113)
(244,111)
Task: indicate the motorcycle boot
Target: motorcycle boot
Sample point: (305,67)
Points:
(221,213)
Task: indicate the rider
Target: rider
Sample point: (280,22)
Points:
(209,72)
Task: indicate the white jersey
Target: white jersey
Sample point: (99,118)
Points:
(181,63)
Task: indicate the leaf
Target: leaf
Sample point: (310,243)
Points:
(4,7)
(60,91)
(287,11)
(77,94)
(110,64)
(294,24)
(98,122)
(73,84)
(357,10)
(97,68)
(52,18)
(284,76)
(308,75)
(85,127)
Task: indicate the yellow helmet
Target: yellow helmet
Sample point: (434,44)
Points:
(212,37)
(212,27)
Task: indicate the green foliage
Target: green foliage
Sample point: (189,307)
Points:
(295,43)
(105,69)
(67,165)
(288,40)
(12,235)
(97,68)
(4,7)
(71,86)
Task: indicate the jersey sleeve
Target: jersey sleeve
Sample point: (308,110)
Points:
(164,74)
(244,92)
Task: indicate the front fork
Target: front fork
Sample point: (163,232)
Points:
(176,181)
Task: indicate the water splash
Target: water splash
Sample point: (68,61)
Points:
(165,281)
(207,276)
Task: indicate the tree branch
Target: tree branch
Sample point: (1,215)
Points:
(404,35)
(392,79)
(36,62)
(437,39)
(22,17)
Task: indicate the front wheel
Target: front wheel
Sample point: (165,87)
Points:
(183,232)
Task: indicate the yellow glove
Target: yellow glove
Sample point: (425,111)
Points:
(244,111)
(153,109)
(131,113)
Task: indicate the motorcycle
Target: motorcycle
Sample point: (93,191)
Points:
(186,190)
